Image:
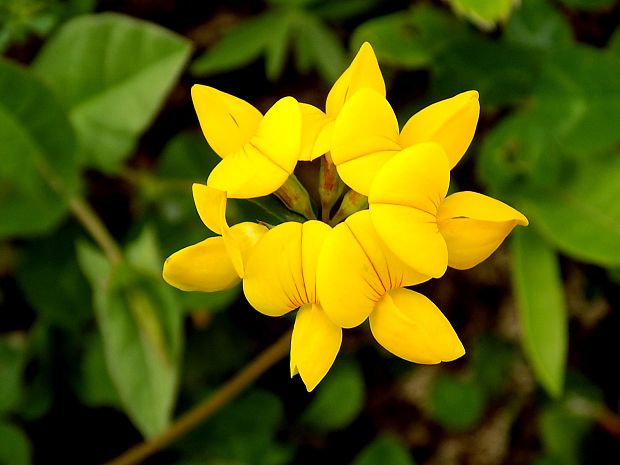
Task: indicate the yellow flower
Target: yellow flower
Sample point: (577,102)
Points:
(280,277)
(363,72)
(217,263)
(337,278)
(424,228)
(366,133)
(258,152)
(358,278)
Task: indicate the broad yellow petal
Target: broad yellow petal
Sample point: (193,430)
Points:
(263,164)
(359,174)
(280,272)
(211,206)
(204,267)
(314,140)
(240,241)
(227,122)
(246,174)
(403,203)
(365,134)
(314,345)
(355,270)
(410,326)
(474,225)
(363,72)
(450,123)
(279,134)
(313,237)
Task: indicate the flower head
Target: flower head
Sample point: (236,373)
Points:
(357,265)
(258,152)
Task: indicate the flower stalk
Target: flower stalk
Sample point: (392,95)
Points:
(351,203)
(330,187)
(295,196)
(198,414)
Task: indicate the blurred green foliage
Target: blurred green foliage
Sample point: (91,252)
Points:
(87,113)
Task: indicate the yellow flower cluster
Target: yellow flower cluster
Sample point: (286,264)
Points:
(360,268)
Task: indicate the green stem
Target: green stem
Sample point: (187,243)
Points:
(330,186)
(351,203)
(91,222)
(296,198)
(209,406)
(84,213)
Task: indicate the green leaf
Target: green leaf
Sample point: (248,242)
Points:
(339,398)
(277,47)
(12,361)
(240,46)
(491,363)
(187,157)
(384,450)
(562,433)
(339,11)
(582,217)
(37,394)
(14,445)
(588,5)
(458,405)
(504,73)
(538,24)
(69,306)
(244,432)
(579,97)
(114,73)
(395,40)
(37,150)
(143,253)
(140,325)
(484,13)
(542,309)
(94,386)
(519,154)
(322,46)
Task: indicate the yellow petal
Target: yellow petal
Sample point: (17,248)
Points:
(450,123)
(359,174)
(314,346)
(314,141)
(474,225)
(279,134)
(246,174)
(211,206)
(365,135)
(355,270)
(280,272)
(323,142)
(403,203)
(240,241)
(411,327)
(203,267)
(313,237)
(363,72)
(227,122)
(262,165)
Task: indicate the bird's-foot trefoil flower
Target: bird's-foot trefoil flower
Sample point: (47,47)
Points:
(362,73)
(217,263)
(258,152)
(366,133)
(395,227)
(358,277)
(427,230)
(281,277)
